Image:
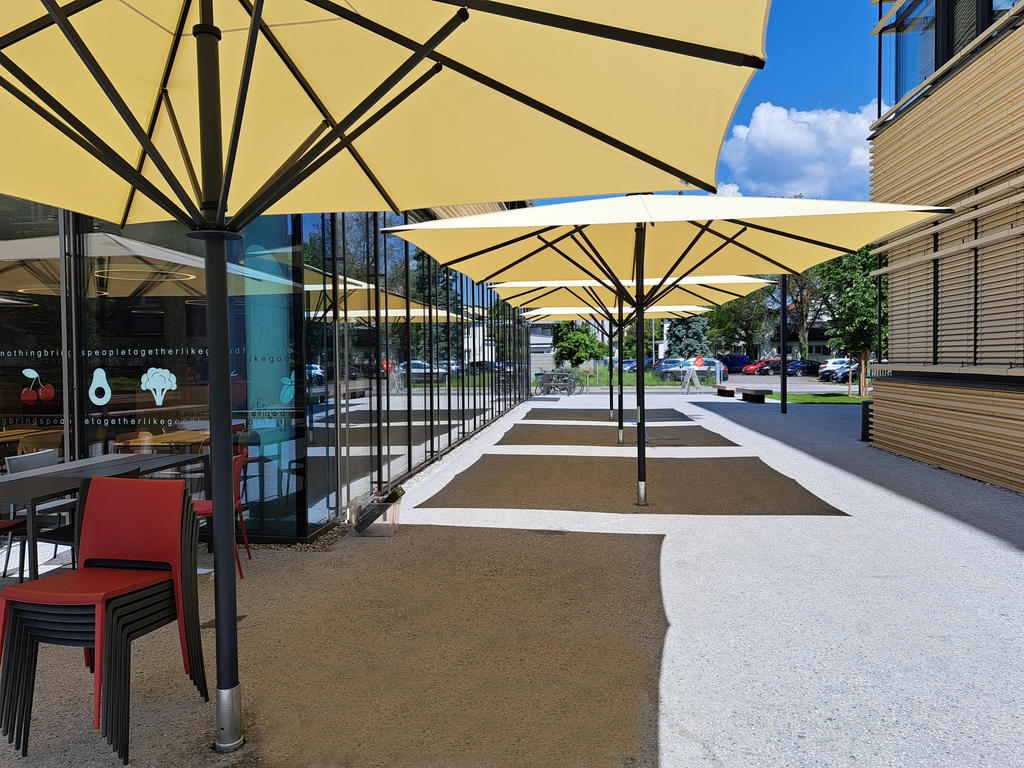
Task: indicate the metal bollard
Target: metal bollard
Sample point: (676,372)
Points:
(865,420)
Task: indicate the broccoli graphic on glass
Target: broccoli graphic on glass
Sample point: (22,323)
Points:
(159,381)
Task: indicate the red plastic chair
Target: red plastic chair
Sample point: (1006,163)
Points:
(204,507)
(134,534)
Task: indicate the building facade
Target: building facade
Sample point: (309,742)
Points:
(355,359)
(952,393)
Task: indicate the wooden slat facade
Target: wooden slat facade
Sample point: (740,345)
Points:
(957,319)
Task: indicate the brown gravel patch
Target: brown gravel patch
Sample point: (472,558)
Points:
(600,414)
(718,486)
(438,647)
(592,434)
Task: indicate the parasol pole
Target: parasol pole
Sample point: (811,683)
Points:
(229,709)
(620,367)
(641,428)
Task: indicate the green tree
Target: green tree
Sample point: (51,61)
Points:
(850,296)
(576,344)
(743,322)
(688,337)
(629,342)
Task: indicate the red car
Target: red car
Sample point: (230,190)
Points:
(752,368)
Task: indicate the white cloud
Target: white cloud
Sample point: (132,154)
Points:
(729,190)
(816,153)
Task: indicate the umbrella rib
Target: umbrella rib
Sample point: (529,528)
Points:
(78,133)
(314,97)
(594,29)
(498,246)
(530,255)
(90,62)
(161,96)
(598,260)
(527,293)
(419,53)
(535,298)
(256,15)
(791,236)
(716,250)
(186,158)
(675,285)
(259,203)
(753,251)
(43,22)
(579,266)
(683,255)
(505,90)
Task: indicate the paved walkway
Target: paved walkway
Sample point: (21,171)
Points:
(891,637)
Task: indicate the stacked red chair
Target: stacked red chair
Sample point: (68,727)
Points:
(137,572)
(204,507)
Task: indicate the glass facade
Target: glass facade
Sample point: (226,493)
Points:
(928,33)
(355,359)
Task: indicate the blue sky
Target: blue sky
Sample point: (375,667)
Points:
(801,126)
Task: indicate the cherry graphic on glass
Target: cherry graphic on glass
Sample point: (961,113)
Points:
(30,394)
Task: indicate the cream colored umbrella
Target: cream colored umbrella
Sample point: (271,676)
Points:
(213,113)
(599,314)
(712,290)
(665,238)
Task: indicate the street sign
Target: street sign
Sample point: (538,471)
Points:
(698,362)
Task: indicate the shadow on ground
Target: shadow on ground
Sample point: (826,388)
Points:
(831,433)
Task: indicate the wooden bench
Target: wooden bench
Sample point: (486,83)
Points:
(752,394)
(725,390)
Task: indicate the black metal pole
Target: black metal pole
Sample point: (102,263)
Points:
(408,353)
(378,364)
(229,704)
(641,418)
(611,382)
(783,342)
(621,328)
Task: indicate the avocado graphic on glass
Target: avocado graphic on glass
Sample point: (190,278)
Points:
(99,390)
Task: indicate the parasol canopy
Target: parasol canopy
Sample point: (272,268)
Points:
(687,235)
(402,104)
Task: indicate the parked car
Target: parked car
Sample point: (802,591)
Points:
(735,363)
(829,367)
(315,374)
(843,375)
(419,370)
(802,368)
(752,367)
(678,371)
(769,365)
(666,362)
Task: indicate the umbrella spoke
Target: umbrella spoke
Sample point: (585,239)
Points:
(161,98)
(512,93)
(531,254)
(250,211)
(186,158)
(715,251)
(752,251)
(499,246)
(43,22)
(90,62)
(579,266)
(256,15)
(595,255)
(670,45)
(80,134)
(791,236)
(317,102)
(683,255)
(294,174)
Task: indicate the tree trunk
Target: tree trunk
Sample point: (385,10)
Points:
(862,374)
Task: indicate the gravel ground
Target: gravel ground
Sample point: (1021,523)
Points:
(890,638)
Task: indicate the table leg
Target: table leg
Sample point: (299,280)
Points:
(31,539)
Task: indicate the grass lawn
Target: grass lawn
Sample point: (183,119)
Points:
(834,398)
